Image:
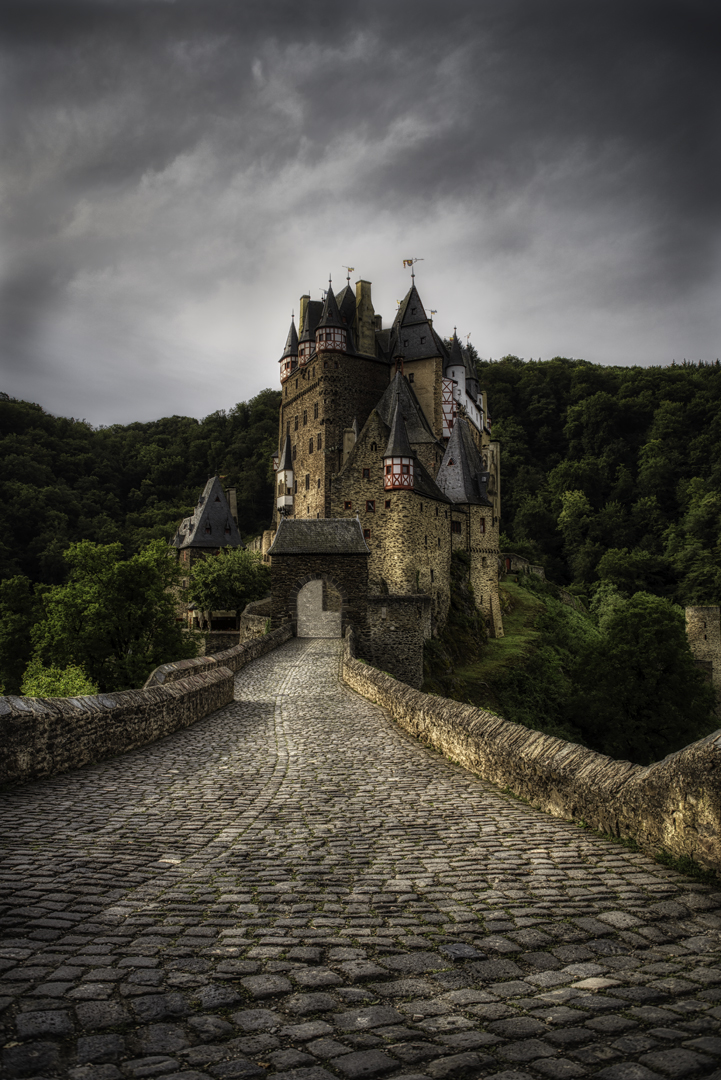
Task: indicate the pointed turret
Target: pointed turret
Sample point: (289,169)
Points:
(398,459)
(311,313)
(284,479)
(289,359)
(412,334)
(332,333)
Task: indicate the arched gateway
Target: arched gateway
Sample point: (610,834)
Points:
(319,576)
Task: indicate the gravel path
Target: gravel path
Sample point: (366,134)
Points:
(295,888)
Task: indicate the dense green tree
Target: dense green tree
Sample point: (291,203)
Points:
(636,692)
(40,681)
(114,617)
(19,610)
(229,581)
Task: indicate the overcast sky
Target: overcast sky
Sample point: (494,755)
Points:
(176,173)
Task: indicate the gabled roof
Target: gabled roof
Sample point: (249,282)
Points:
(398,445)
(319,536)
(331,315)
(412,335)
(461,475)
(423,482)
(211,524)
(291,342)
(286,458)
(400,390)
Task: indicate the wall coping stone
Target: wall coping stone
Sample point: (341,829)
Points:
(674,804)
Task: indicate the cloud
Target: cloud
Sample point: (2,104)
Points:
(176,174)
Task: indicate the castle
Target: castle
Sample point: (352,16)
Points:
(384,444)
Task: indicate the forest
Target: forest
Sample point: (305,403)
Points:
(63,481)
(612,474)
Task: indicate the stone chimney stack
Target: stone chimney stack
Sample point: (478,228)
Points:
(366,318)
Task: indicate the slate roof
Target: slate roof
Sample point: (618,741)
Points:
(213,511)
(286,458)
(313,313)
(400,390)
(346,305)
(331,315)
(291,342)
(461,475)
(398,445)
(411,325)
(319,536)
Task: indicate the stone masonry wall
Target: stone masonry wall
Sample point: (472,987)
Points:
(409,538)
(347,573)
(674,805)
(323,398)
(398,627)
(43,736)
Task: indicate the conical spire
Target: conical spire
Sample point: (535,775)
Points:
(291,342)
(456,350)
(286,458)
(331,315)
(398,444)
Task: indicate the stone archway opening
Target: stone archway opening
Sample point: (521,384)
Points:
(319,610)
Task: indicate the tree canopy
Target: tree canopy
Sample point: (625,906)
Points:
(229,581)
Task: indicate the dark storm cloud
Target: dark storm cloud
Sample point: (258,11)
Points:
(125,120)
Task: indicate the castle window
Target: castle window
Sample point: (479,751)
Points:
(451,461)
(305,417)
(374,446)
(336,364)
(366,474)
(413,311)
(295,487)
(483,525)
(295,423)
(318,481)
(310,446)
(405,344)
(307,482)
(432,577)
(389,470)
(370,506)
(436,511)
(207,528)
(423,341)
(319,442)
(347,505)
(410,378)
(439,541)
(426,540)
(455,526)
(388,504)
(405,470)
(315,411)
(366,534)
(325,363)
(295,452)
(312,372)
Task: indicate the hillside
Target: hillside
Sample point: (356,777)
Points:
(62,480)
(620,680)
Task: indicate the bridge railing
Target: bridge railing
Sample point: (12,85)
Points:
(673,805)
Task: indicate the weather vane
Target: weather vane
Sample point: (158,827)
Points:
(411,263)
(351,270)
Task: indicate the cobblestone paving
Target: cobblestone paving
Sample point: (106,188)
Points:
(293,888)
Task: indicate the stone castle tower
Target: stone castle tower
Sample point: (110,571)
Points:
(390,427)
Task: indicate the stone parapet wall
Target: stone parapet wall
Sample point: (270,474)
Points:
(254,620)
(674,805)
(234,658)
(43,736)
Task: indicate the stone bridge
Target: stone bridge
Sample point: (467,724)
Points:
(294,887)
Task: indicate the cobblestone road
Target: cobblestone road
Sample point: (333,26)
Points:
(294,888)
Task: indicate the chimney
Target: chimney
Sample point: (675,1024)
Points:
(232,503)
(366,318)
(304,301)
